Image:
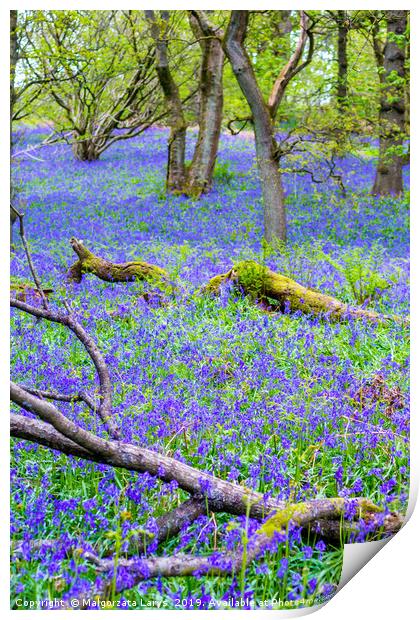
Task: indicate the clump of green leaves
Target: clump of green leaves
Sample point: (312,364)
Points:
(223,173)
(363,281)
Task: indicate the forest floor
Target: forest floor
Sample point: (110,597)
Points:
(292,406)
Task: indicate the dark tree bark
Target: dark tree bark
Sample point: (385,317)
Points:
(391,66)
(200,172)
(342,32)
(84,148)
(14,54)
(175,179)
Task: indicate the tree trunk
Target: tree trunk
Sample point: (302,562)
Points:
(14,54)
(200,172)
(14,51)
(175,177)
(389,178)
(84,149)
(113,272)
(270,177)
(342,93)
(277,292)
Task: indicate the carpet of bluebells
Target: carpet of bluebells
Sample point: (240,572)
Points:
(283,404)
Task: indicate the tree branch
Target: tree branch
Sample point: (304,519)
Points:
(292,67)
(105,387)
(220,494)
(34,273)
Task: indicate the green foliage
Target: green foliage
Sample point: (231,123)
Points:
(223,173)
(363,281)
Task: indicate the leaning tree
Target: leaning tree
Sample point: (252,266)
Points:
(263,114)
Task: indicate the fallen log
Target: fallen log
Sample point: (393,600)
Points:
(58,433)
(331,527)
(284,294)
(137,569)
(325,517)
(270,289)
(113,272)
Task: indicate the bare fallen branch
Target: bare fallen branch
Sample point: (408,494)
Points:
(64,398)
(105,387)
(221,496)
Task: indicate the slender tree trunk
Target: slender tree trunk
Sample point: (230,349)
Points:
(201,169)
(389,178)
(14,53)
(175,179)
(270,177)
(342,93)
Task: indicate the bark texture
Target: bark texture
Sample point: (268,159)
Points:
(391,66)
(84,147)
(113,272)
(176,173)
(200,172)
(270,177)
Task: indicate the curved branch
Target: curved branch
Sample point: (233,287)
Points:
(105,387)
(34,273)
(244,120)
(64,398)
(292,67)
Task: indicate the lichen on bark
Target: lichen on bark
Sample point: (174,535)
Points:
(284,294)
(114,272)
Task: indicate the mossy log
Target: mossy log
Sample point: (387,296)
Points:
(272,290)
(113,272)
(280,293)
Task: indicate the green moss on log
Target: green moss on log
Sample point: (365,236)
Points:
(114,272)
(262,284)
(302,513)
(273,290)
